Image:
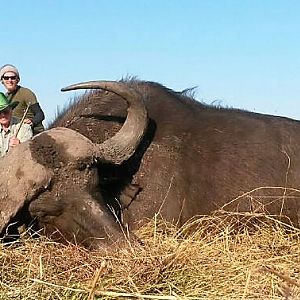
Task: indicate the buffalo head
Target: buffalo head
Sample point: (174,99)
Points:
(55,175)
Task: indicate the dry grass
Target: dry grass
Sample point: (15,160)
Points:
(223,259)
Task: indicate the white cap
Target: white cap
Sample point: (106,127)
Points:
(8,68)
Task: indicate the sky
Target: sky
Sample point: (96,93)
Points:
(237,53)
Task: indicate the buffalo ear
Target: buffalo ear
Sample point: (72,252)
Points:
(22,179)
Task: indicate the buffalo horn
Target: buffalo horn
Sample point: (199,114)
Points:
(123,144)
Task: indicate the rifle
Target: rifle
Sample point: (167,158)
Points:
(23,118)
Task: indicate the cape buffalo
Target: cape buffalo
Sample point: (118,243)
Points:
(91,174)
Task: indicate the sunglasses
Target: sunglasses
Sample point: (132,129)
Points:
(9,77)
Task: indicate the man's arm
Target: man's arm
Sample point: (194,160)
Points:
(38,114)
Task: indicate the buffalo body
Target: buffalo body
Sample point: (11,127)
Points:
(194,158)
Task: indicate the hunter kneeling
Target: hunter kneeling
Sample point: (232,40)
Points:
(12,131)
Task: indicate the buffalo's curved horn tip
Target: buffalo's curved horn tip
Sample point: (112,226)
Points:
(123,144)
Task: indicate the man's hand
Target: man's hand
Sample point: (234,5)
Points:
(13,141)
(28,121)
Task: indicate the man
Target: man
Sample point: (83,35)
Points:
(10,78)
(10,134)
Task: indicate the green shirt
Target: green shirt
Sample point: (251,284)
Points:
(24,134)
(25,97)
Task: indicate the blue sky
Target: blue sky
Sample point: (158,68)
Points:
(243,54)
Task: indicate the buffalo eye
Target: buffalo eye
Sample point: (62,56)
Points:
(81,166)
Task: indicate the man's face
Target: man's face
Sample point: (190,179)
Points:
(5,116)
(10,80)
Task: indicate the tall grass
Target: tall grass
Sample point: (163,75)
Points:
(208,258)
